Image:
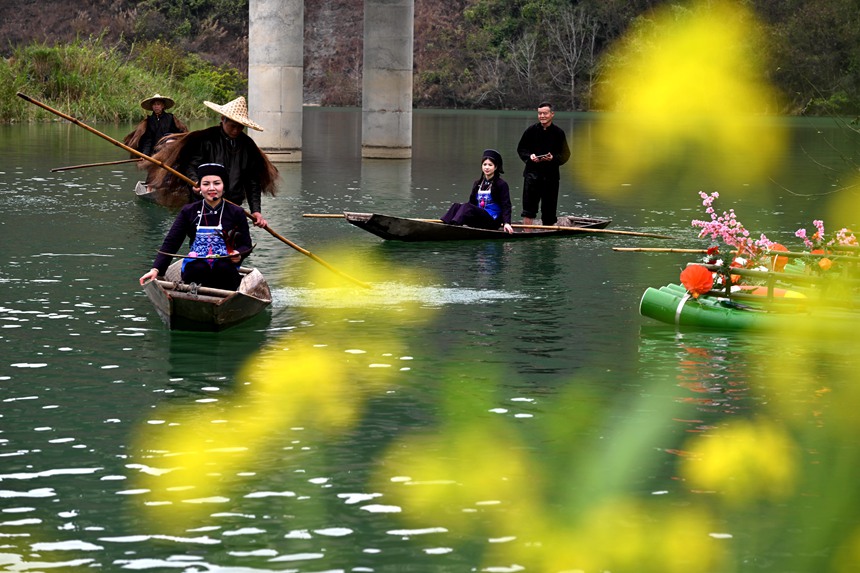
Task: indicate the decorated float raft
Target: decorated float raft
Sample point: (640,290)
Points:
(190,307)
(758,282)
(781,299)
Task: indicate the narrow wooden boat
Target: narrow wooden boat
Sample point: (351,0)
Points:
(189,307)
(145,192)
(404,229)
(150,194)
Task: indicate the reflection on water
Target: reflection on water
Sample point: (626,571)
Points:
(711,368)
(200,362)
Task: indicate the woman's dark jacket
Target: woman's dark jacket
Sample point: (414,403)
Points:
(234,224)
(499,191)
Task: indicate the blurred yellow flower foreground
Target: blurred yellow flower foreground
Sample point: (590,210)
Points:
(684,91)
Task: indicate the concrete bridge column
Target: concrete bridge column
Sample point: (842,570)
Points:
(276,76)
(386,102)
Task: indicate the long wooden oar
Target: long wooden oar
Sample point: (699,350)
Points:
(787,254)
(593,230)
(658,250)
(105,137)
(342,216)
(70,167)
(209,257)
(797,255)
(781,276)
(190,182)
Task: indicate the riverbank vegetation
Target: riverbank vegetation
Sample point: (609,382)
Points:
(92,81)
(477,54)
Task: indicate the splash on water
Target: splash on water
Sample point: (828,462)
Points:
(386,295)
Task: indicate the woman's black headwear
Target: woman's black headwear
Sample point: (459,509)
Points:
(211,169)
(495,157)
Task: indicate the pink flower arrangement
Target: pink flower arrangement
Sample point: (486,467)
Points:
(725,228)
(745,252)
(819,240)
(728,229)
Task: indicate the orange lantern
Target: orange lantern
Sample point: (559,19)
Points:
(778,263)
(697,280)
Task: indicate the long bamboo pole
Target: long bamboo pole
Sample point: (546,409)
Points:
(788,254)
(70,167)
(590,230)
(190,182)
(658,250)
(342,216)
(801,254)
(780,276)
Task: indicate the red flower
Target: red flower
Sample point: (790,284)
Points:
(697,280)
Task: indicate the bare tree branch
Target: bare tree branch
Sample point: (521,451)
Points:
(573,33)
(524,62)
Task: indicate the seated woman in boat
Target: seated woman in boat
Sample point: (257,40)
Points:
(489,205)
(218,233)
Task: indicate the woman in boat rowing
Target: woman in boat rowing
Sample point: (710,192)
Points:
(489,205)
(218,232)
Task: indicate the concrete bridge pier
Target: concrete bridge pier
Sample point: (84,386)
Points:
(276,76)
(386,102)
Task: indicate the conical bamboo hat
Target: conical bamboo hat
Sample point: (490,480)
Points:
(237,110)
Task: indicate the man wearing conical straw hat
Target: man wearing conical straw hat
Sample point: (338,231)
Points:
(250,173)
(156,126)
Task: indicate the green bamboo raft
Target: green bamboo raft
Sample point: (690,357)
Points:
(767,307)
(672,304)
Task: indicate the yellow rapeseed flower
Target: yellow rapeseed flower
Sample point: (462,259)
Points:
(745,461)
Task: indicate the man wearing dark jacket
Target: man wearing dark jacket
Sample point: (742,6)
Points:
(154,127)
(250,173)
(543,148)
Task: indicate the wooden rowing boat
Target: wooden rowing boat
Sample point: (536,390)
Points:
(150,194)
(404,229)
(189,307)
(145,192)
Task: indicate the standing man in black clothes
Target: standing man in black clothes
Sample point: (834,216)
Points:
(543,148)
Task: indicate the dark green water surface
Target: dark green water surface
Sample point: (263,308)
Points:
(467,371)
